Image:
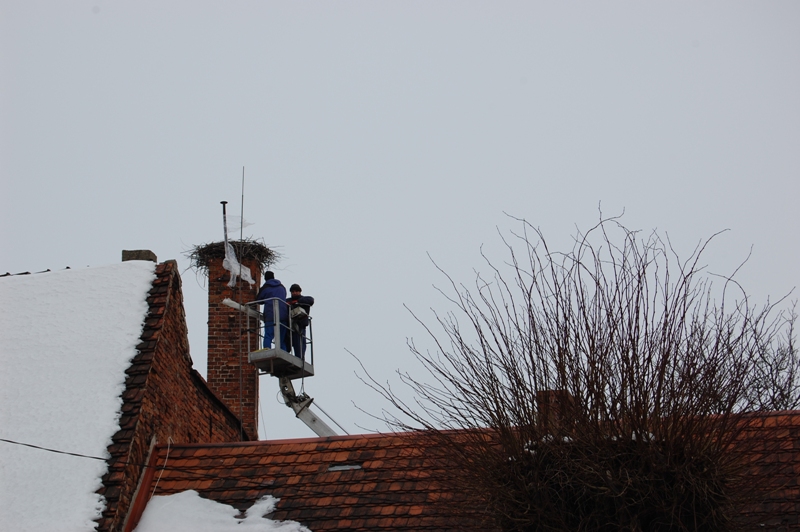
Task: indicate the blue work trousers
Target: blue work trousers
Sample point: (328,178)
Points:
(269,335)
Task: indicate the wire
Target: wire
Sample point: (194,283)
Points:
(79,455)
(261,409)
(302,489)
(169,444)
(53,450)
(329,417)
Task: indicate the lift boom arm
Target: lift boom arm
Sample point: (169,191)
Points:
(300,404)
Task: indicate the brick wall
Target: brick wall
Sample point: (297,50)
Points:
(230,375)
(165,400)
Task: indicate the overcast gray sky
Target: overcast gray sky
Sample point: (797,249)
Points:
(374,133)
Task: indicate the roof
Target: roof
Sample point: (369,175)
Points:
(66,338)
(773,452)
(385,482)
(375,482)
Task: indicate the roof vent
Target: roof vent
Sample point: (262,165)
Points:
(138,254)
(344,467)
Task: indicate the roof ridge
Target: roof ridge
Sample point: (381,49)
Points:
(284,441)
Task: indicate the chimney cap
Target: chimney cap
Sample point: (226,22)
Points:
(138,254)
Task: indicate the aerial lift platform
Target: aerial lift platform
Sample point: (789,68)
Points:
(282,364)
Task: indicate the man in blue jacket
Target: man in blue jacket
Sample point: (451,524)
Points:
(273,289)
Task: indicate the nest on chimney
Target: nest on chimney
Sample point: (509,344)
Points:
(247,249)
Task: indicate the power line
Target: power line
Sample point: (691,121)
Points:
(194,474)
(53,450)
(329,417)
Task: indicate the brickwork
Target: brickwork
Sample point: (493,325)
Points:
(555,408)
(165,401)
(230,374)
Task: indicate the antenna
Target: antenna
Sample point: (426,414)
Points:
(241,220)
(241,391)
(225,222)
(241,350)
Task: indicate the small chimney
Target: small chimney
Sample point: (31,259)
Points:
(556,410)
(230,374)
(138,254)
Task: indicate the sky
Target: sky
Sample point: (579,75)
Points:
(378,137)
(63,390)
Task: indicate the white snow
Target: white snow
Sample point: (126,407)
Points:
(188,512)
(66,339)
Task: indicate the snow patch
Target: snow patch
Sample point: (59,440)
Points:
(188,512)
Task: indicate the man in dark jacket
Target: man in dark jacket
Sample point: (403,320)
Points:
(271,290)
(300,309)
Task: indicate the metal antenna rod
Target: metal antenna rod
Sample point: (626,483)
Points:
(225,222)
(241,398)
(241,317)
(241,222)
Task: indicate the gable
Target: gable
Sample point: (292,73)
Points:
(164,400)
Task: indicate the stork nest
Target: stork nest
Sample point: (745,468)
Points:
(201,255)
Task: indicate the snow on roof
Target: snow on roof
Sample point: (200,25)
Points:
(188,512)
(66,339)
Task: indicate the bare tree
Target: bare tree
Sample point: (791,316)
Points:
(599,389)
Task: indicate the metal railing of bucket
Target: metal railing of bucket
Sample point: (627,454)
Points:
(296,336)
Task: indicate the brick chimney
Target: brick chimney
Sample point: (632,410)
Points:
(138,254)
(230,374)
(556,410)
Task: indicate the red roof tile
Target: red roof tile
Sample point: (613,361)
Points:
(325,483)
(389,482)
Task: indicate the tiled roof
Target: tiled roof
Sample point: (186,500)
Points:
(359,483)
(9,274)
(774,455)
(389,482)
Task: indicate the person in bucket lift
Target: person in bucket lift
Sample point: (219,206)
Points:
(300,308)
(272,288)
